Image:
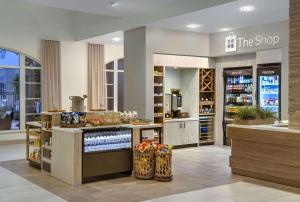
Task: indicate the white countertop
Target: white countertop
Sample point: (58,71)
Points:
(76,130)
(181,119)
(265,127)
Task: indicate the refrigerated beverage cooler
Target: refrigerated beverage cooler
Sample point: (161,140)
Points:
(106,152)
(238,92)
(268,88)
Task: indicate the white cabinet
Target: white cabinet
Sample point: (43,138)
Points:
(173,134)
(191,132)
(181,132)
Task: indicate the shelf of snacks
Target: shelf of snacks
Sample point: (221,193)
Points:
(33,144)
(158,97)
(48,120)
(103,119)
(35,133)
(206,106)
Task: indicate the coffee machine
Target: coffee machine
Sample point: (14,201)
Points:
(176,102)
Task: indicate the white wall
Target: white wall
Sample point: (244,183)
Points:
(73,60)
(113,52)
(177,42)
(28,45)
(140,45)
(135,73)
(36,21)
(73,71)
(172,79)
(74,68)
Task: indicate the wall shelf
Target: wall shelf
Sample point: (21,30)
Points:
(206,106)
(158,87)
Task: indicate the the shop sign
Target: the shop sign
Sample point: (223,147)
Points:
(233,42)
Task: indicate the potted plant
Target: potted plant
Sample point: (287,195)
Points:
(254,116)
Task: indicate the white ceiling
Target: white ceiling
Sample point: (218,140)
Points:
(228,16)
(108,39)
(125,7)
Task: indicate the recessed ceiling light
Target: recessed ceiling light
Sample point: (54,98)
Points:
(247,8)
(225,29)
(114,4)
(193,26)
(116,39)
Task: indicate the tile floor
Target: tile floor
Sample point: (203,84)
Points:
(12,152)
(199,171)
(235,192)
(16,188)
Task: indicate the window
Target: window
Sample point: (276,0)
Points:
(115,85)
(9,58)
(18,73)
(9,98)
(33,91)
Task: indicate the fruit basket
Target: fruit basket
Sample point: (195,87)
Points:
(144,161)
(163,163)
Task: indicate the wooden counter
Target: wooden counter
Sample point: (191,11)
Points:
(67,157)
(266,152)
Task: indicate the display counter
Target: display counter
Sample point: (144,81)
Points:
(87,154)
(266,152)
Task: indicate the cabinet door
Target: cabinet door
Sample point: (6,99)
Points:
(185,133)
(191,132)
(173,133)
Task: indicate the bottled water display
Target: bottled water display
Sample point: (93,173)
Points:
(107,140)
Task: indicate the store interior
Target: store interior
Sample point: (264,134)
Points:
(87,89)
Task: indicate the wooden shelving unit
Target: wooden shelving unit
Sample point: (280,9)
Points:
(48,121)
(158,86)
(158,97)
(207,91)
(33,144)
(206,105)
(39,139)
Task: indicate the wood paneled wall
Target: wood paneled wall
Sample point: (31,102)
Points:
(294,67)
(266,153)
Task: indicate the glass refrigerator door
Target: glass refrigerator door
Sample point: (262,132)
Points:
(238,93)
(269,93)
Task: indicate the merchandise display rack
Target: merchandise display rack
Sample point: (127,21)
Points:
(33,144)
(158,87)
(38,140)
(206,106)
(48,119)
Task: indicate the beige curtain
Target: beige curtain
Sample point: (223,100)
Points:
(96,77)
(51,83)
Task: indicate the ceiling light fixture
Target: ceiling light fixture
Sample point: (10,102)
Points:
(116,39)
(247,8)
(225,29)
(193,26)
(114,4)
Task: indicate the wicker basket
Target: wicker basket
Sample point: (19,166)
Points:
(143,164)
(163,166)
